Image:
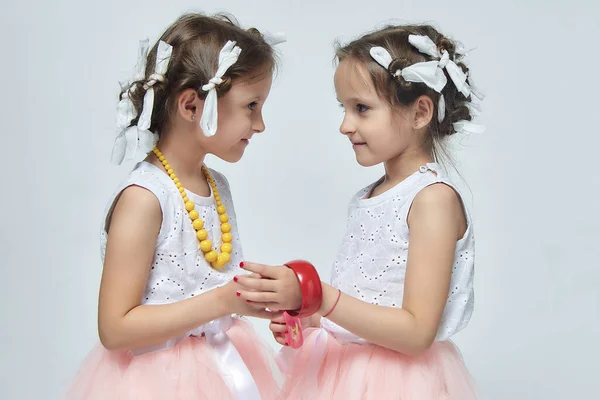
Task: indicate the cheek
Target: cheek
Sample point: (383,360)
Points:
(386,139)
(234,124)
(397,129)
(384,132)
(241,119)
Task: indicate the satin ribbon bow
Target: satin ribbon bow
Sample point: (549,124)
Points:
(227,57)
(233,370)
(134,140)
(431,74)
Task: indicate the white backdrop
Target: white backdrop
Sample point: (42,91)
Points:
(532,175)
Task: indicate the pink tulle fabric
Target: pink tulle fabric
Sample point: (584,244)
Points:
(325,369)
(187,371)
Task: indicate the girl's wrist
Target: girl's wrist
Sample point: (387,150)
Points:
(224,301)
(310,288)
(330,298)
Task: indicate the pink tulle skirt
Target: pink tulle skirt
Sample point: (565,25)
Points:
(187,371)
(325,369)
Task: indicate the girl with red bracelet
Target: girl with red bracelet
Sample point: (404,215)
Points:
(402,283)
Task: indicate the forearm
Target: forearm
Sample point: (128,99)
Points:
(147,325)
(393,328)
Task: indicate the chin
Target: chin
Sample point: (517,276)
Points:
(366,162)
(232,157)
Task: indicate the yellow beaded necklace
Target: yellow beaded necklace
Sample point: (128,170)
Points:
(217,260)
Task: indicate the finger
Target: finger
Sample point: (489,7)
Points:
(276,335)
(263,314)
(278,320)
(253,305)
(253,267)
(277,315)
(278,328)
(273,307)
(266,271)
(281,340)
(251,275)
(256,306)
(258,297)
(256,284)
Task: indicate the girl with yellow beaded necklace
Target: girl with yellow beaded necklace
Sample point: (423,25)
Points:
(168,301)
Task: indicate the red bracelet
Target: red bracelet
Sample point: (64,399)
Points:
(310,286)
(334,304)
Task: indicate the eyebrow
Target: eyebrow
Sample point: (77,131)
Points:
(354,99)
(253,99)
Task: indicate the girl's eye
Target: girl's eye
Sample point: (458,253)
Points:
(252,105)
(361,108)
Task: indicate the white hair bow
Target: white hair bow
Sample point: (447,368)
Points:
(426,46)
(227,57)
(425,72)
(273,39)
(132,140)
(431,74)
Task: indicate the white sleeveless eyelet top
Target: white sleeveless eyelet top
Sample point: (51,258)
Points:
(179,269)
(371,262)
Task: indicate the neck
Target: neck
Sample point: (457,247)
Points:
(184,157)
(406,163)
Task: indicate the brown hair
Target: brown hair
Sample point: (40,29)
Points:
(197,40)
(398,91)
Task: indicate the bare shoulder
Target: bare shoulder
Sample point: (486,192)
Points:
(137,197)
(438,195)
(135,205)
(438,204)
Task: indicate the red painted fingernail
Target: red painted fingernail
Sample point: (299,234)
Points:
(242,264)
(238,293)
(235,278)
